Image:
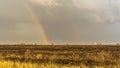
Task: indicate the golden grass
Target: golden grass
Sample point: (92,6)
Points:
(16,64)
(71,57)
(11,64)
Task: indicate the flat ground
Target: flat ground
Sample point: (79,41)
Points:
(63,54)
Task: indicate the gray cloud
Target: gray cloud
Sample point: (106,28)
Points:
(93,11)
(17,24)
(63,20)
(80,20)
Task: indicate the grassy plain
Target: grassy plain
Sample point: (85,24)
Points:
(59,56)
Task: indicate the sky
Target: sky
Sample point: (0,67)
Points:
(64,21)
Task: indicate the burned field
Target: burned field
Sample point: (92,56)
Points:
(62,54)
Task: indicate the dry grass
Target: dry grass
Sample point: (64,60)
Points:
(60,57)
(11,64)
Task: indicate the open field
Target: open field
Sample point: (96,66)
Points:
(59,56)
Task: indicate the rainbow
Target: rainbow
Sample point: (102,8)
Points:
(36,19)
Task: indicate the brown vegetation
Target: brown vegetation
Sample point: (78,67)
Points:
(77,55)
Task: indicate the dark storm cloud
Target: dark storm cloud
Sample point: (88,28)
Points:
(63,20)
(79,20)
(91,11)
(58,21)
